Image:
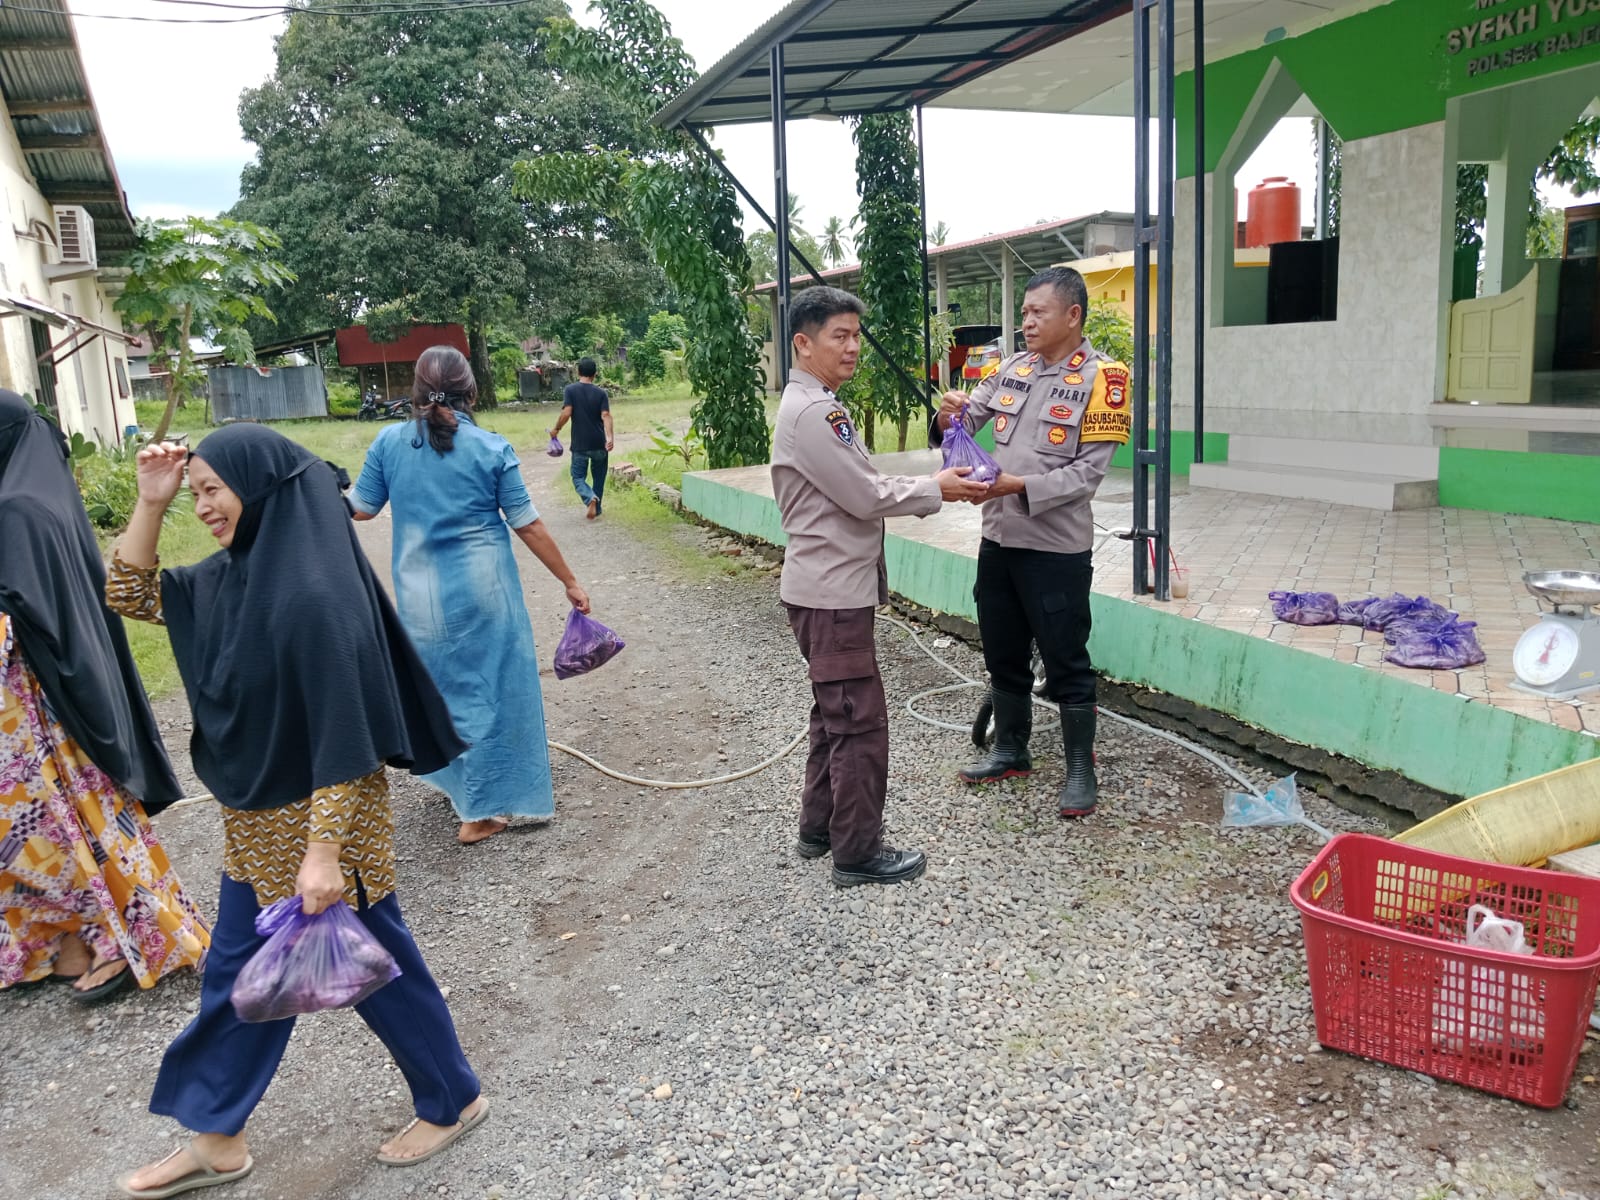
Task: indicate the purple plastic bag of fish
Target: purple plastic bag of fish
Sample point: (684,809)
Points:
(1445,645)
(585,644)
(960,450)
(556,450)
(1405,609)
(309,963)
(1353,612)
(1305,608)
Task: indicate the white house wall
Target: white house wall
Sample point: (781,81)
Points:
(1385,353)
(94,410)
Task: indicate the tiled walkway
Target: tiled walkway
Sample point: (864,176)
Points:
(1237,548)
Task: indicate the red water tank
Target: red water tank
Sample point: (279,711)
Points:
(1272,213)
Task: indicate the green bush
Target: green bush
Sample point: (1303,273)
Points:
(109,486)
(1111,331)
(344,399)
(505,363)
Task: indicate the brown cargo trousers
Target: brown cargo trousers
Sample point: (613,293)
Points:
(847,771)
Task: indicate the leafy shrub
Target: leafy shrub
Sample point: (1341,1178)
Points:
(1111,331)
(344,399)
(505,363)
(109,485)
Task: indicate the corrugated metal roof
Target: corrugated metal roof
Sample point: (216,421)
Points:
(47,97)
(855,58)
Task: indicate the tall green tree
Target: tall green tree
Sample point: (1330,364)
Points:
(199,278)
(385,143)
(889,243)
(660,185)
(939,234)
(835,242)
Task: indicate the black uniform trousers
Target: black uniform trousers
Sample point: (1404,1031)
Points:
(1028,596)
(847,770)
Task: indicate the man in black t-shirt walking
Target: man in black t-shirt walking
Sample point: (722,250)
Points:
(589,409)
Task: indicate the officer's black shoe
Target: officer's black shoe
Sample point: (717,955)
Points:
(891,866)
(1081,790)
(812,847)
(1013,723)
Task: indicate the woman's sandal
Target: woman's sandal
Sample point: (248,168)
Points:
(104,991)
(203,1176)
(461,1127)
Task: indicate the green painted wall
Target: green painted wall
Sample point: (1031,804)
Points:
(1388,723)
(1385,69)
(1564,486)
(1182,451)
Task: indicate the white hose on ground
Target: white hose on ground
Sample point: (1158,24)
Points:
(966,682)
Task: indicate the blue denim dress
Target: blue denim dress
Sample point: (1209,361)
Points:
(459,596)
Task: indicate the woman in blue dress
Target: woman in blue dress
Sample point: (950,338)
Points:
(455,491)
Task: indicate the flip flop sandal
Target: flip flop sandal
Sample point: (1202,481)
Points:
(462,1127)
(106,990)
(203,1176)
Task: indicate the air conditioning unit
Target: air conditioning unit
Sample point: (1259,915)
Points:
(75,235)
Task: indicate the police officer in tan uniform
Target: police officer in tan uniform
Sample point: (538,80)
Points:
(1059,410)
(833,501)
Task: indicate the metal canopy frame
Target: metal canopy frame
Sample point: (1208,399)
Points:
(874,79)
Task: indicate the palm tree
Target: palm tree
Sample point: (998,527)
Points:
(835,242)
(939,233)
(795,228)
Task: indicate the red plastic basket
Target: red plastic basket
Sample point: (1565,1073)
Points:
(1392,978)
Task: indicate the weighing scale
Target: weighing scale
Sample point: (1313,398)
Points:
(1560,656)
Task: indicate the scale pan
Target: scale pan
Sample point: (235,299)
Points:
(1580,588)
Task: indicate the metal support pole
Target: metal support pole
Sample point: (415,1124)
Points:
(1008,302)
(922,209)
(941,302)
(1167,187)
(1199,231)
(1140,366)
(1322,179)
(780,171)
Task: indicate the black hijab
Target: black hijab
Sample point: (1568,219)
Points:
(299,673)
(52,585)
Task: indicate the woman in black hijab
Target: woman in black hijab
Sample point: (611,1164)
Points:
(85,888)
(303,685)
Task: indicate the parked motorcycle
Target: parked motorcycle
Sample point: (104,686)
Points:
(375,408)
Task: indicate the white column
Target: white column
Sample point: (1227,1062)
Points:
(941,301)
(1505,226)
(1008,303)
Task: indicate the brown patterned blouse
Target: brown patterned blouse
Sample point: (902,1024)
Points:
(265,848)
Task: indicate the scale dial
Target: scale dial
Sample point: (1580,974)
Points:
(1545,653)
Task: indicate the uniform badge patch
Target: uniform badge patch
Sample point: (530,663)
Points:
(1057,435)
(1116,386)
(1007,399)
(1077,360)
(1033,357)
(1061,411)
(1001,422)
(842,429)
(1106,419)
(1024,371)
(1074,378)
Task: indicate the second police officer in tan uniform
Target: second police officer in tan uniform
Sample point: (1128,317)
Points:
(833,501)
(1059,410)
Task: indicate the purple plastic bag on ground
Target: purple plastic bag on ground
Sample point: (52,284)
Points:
(585,644)
(960,450)
(1305,608)
(1445,645)
(1383,613)
(555,450)
(310,963)
(1353,612)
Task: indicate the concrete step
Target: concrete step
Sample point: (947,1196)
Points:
(1366,458)
(1359,489)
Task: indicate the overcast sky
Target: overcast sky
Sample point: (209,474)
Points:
(168,97)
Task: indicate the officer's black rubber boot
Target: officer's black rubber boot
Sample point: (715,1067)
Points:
(891,866)
(812,846)
(1013,723)
(1081,790)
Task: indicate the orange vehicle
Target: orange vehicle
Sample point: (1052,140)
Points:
(982,362)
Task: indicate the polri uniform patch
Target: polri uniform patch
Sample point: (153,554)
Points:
(842,429)
(1107,419)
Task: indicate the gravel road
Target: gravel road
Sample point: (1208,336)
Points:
(664,1001)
